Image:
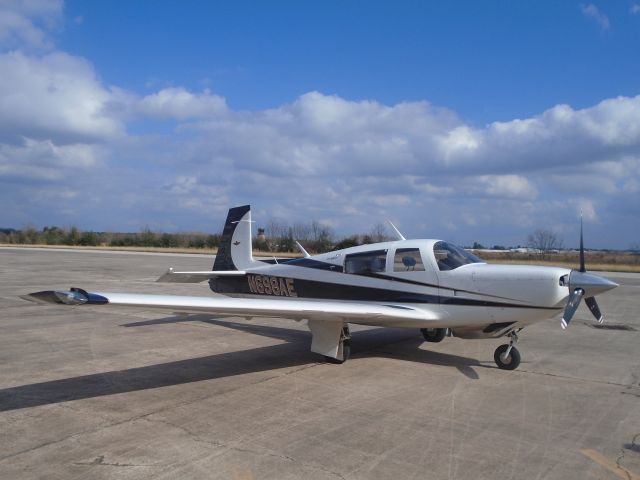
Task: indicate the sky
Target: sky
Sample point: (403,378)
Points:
(464,120)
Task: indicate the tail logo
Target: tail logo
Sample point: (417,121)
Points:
(236,243)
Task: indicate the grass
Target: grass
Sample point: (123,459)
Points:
(595,261)
(202,251)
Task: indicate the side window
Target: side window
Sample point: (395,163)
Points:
(365,263)
(408,260)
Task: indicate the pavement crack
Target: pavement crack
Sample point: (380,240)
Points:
(73,435)
(568,377)
(100,461)
(145,415)
(235,448)
(634,447)
(619,464)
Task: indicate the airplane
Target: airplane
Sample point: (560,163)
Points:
(430,285)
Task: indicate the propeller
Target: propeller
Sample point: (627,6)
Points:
(587,285)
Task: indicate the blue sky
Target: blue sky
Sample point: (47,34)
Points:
(471,121)
(487,61)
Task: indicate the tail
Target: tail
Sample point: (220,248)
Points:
(234,252)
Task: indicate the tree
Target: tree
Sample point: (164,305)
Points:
(544,241)
(321,237)
(347,242)
(378,233)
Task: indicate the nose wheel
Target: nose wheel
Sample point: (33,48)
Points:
(507,357)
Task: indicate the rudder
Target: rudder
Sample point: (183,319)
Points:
(235,249)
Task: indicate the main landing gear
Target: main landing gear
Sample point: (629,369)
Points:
(507,357)
(434,335)
(345,347)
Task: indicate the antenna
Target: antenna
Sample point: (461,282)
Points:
(304,252)
(582,267)
(396,231)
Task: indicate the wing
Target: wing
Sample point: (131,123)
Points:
(329,310)
(172,276)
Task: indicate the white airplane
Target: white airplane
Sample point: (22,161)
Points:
(429,285)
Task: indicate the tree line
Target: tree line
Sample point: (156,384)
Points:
(75,237)
(277,236)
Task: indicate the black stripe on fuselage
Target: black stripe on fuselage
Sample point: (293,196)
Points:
(315,264)
(424,284)
(313,289)
(319,265)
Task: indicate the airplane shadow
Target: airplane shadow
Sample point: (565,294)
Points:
(364,343)
(395,343)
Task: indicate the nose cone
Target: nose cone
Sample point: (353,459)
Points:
(590,283)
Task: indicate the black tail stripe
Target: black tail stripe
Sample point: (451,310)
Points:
(223,259)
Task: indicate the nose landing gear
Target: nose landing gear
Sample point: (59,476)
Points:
(507,357)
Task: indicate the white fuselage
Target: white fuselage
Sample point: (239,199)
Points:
(468,298)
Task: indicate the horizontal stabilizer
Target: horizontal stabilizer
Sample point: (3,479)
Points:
(196,277)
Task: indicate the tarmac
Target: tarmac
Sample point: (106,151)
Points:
(90,392)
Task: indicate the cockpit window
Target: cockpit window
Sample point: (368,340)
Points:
(407,260)
(450,257)
(365,263)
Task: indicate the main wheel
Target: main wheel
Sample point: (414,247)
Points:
(346,353)
(507,363)
(434,335)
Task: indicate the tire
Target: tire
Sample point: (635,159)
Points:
(509,363)
(346,353)
(434,335)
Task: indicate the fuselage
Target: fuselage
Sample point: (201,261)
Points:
(473,298)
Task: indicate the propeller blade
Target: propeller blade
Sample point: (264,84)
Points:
(572,306)
(593,306)
(582,267)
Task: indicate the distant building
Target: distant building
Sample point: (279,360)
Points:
(525,250)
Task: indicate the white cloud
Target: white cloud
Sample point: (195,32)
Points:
(180,104)
(509,186)
(56,96)
(25,23)
(591,11)
(634,9)
(43,160)
(586,208)
(66,142)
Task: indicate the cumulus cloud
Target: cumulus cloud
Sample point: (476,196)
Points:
(26,23)
(178,103)
(593,12)
(42,159)
(509,186)
(56,96)
(417,139)
(586,209)
(67,141)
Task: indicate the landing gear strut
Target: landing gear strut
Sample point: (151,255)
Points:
(507,357)
(345,341)
(434,335)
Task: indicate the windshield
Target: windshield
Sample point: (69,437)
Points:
(450,257)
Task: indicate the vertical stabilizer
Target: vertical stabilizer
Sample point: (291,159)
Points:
(234,252)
